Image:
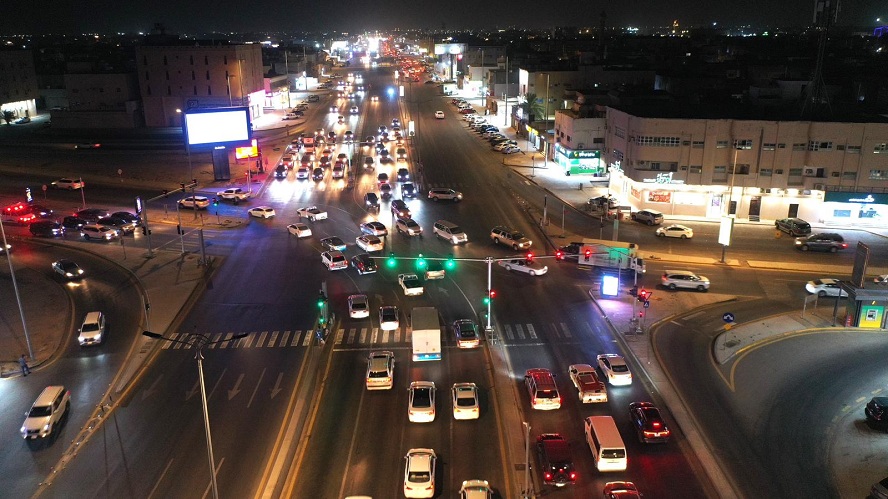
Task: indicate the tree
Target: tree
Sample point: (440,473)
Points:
(533,107)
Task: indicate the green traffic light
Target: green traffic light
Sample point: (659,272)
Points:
(420,262)
(391,261)
(450,264)
(487,300)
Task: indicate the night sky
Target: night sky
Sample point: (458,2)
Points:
(190,16)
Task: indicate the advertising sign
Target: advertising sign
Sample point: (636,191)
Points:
(871,316)
(224,126)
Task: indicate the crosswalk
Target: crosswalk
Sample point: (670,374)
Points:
(517,334)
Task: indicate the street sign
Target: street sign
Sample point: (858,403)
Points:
(728,317)
(647,304)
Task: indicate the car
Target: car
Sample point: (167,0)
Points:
(299,230)
(302,173)
(556,464)
(408,227)
(129,217)
(333,243)
(673,279)
(261,212)
(380,370)
(511,150)
(589,388)
(504,235)
(382,178)
(122,225)
(419,473)
(881,279)
(364,264)
(67,269)
(334,260)
(396,122)
(307,159)
(46,228)
(87,145)
(233,194)
(317,174)
(312,213)
(439,115)
(369,162)
(499,146)
(403,174)
(879,490)
(369,243)
(411,284)
(466,333)
(408,190)
(388,318)
(354,110)
(400,209)
(825,287)
(523,265)
(47,413)
(438,194)
(92,215)
(474,489)
(615,369)
(333,109)
(434,270)
(467,110)
(466,403)
(74,223)
(92,330)
(194,202)
(621,490)
(93,231)
(421,402)
(648,423)
(338,170)
(287,160)
(650,217)
(358,306)
(385,190)
(374,98)
(675,230)
(374,228)
(821,242)
(68,183)
(793,226)
(349,136)
(401,153)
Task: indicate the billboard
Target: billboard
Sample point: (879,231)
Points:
(221,126)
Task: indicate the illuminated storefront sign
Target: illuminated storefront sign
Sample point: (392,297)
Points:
(663,178)
(856,197)
(580,162)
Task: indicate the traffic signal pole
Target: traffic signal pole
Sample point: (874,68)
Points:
(489,288)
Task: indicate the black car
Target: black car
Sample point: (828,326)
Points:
(317,174)
(129,217)
(92,215)
(876,412)
(124,226)
(280,171)
(363,264)
(555,461)
(571,251)
(821,242)
(408,190)
(46,228)
(333,243)
(74,223)
(371,200)
(648,423)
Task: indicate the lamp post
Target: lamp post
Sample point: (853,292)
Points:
(15,289)
(546,148)
(200,341)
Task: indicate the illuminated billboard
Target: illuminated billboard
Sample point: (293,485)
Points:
(224,126)
(450,48)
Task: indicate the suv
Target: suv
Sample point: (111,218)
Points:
(650,217)
(123,226)
(793,226)
(408,226)
(673,279)
(46,228)
(92,332)
(821,242)
(450,231)
(504,235)
(380,370)
(555,462)
(400,209)
(47,412)
(92,231)
(437,194)
(876,412)
(542,390)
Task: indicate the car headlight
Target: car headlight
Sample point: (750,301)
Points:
(23,430)
(46,427)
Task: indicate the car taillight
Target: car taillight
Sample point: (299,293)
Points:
(656,425)
(547,475)
(573,475)
(844,245)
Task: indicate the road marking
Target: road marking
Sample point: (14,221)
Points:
(397,335)
(520,330)
(385,336)
(566,329)
(284,337)
(363,335)
(246,341)
(306,340)
(227,343)
(261,340)
(374,335)
(351,336)
(509,333)
(295,341)
(261,375)
(531,331)
(274,335)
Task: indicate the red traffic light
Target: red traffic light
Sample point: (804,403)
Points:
(492,293)
(559,255)
(529,257)
(588,253)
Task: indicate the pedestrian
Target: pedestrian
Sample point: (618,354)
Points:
(24,365)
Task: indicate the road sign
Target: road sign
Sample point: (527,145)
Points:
(647,304)
(728,317)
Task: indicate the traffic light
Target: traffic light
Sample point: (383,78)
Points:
(144,231)
(490,296)
(559,255)
(587,253)
(322,299)
(391,262)
(216,201)
(642,295)
(421,263)
(166,193)
(633,291)
(529,257)
(450,264)
(179,229)
(182,184)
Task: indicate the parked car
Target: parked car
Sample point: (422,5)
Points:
(650,217)
(793,226)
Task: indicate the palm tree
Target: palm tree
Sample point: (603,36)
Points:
(533,107)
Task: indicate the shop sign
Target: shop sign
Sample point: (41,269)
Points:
(662,178)
(659,196)
(856,197)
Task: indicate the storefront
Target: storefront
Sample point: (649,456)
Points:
(855,208)
(580,162)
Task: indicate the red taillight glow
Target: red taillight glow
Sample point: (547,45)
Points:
(548,476)
(656,425)
(573,475)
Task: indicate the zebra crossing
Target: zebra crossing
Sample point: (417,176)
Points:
(366,337)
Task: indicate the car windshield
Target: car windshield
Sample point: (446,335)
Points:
(40,411)
(88,328)
(467,330)
(422,397)
(613,453)
(359,305)
(547,394)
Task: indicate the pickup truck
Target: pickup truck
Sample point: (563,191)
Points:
(312,213)
(410,284)
(589,387)
(235,194)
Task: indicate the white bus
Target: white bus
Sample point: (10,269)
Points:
(605,443)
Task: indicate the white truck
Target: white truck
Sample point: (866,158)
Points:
(312,213)
(426,336)
(610,255)
(234,194)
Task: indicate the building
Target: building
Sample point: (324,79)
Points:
(18,83)
(174,77)
(99,100)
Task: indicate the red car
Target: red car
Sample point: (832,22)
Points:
(467,110)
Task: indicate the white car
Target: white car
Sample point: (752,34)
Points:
(358,307)
(615,369)
(475,489)
(374,229)
(439,115)
(313,213)
(235,194)
(67,269)
(510,149)
(299,230)
(465,401)
(354,110)
(380,370)
(501,146)
(334,260)
(68,183)
(676,230)
(303,173)
(388,318)
(825,287)
(408,226)
(673,279)
(261,212)
(589,387)
(369,243)
(92,331)
(199,202)
(419,473)
(522,265)
(410,284)
(421,402)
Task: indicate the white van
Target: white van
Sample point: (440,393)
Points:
(451,232)
(605,442)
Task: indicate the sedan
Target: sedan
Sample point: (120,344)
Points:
(421,402)
(511,150)
(419,473)
(439,115)
(369,243)
(388,318)
(648,424)
(466,333)
(615,369)
(198,202)
(358,307)
(261,212)
(333,243)
(299,230)
(825,287)
(523,265)
(67,269)
(465,400)
(374,228)
(364,264)
(68,183)
(676,230)
(411,284)
(621,490)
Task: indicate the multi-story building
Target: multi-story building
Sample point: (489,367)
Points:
(18,83)
(203,74)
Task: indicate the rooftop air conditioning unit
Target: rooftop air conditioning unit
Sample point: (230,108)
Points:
(809,172)
(818,187)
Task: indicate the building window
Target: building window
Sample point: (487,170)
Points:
(568,139)
(208,76)
(798,147)
(169,90)
(598,140)
(852,149)
(795,172)
(695,169)
(697,144)
(619,132)
(144,60)
(148,89)
(835,174)
(721,144)
(168,75)
(840,147)
(192,75)
(849,175)
(618,155)
(819,146)
(720,170)
(765,172)
(781,146)
(685,142)
(740,169)
(206,61)
(769,146)
(195,90)
(878,175)
(778,171)
(880,148)
(658,141)
(191,59)
(742,144)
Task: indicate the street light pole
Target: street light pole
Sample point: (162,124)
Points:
(489,288)
(18,298)
(546,124)
(528,493)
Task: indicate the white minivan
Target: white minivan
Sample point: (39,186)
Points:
(605,442)
(450,231)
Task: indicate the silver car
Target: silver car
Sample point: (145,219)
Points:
(673,279)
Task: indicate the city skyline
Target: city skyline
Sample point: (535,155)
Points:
(70,17)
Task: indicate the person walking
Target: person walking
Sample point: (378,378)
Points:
(24,365)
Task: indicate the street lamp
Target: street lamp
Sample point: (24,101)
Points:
(200,341)
(15,289)
(546,123)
